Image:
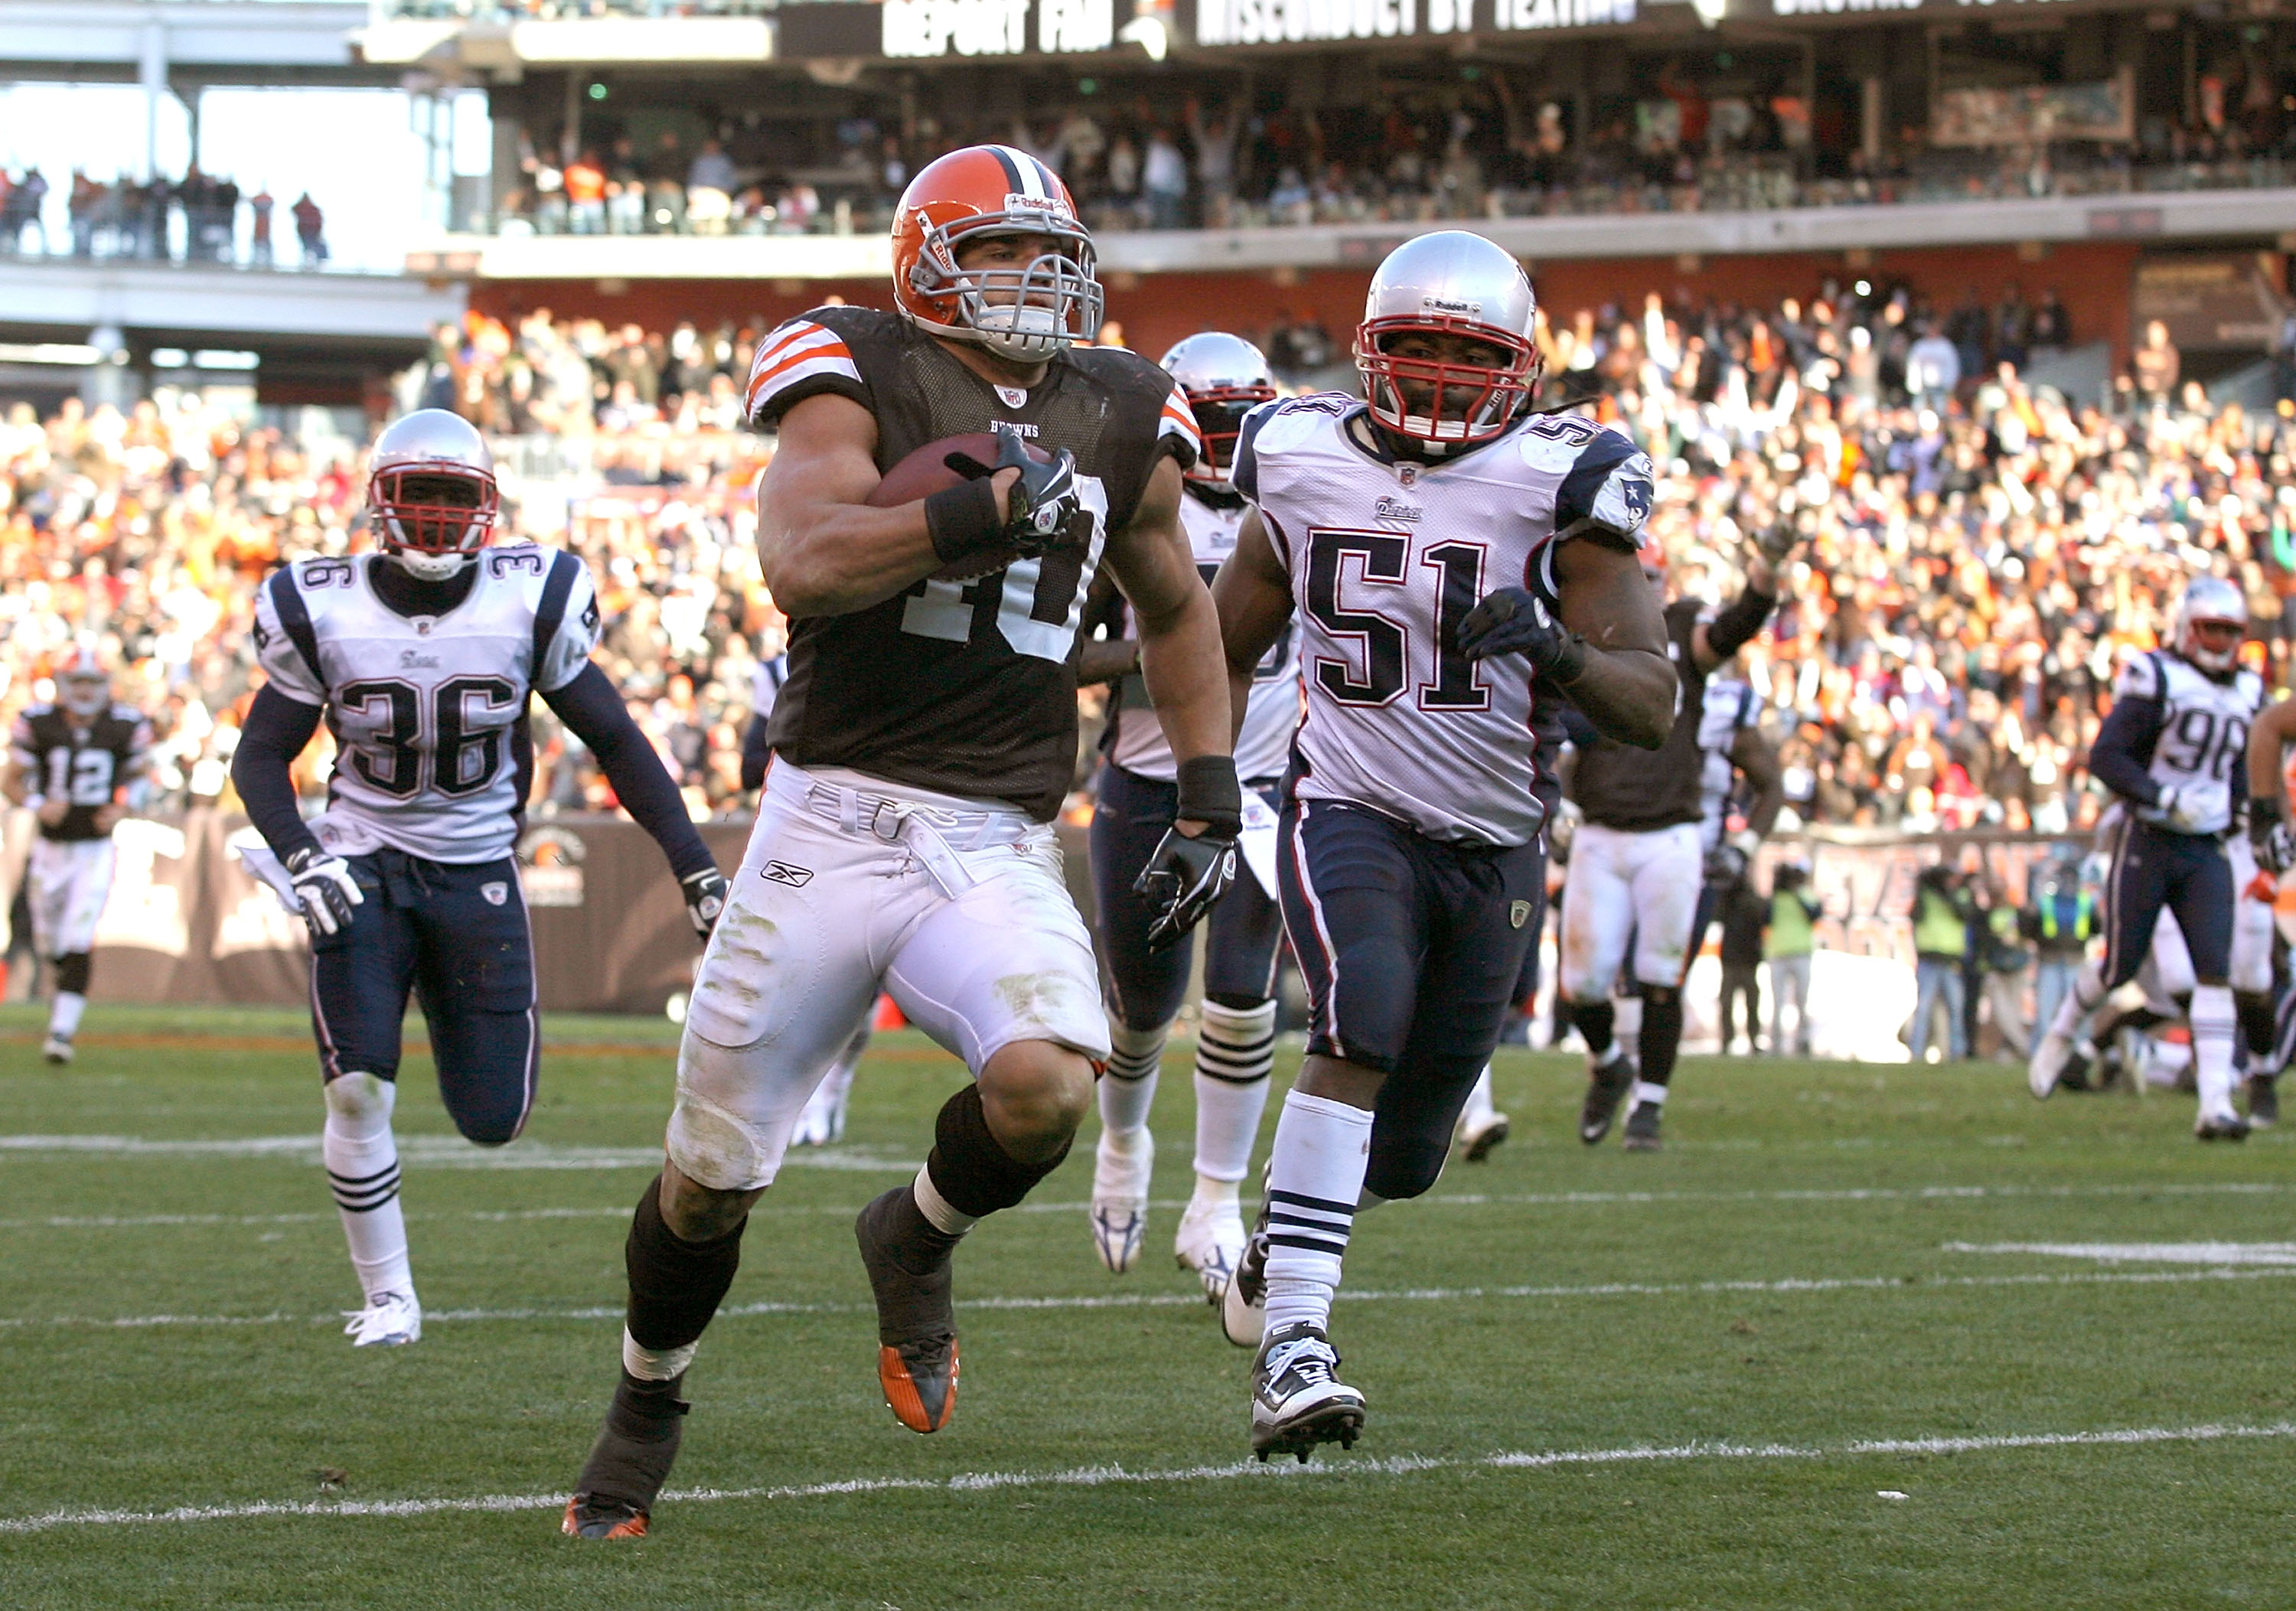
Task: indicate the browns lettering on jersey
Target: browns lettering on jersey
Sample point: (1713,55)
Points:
(963,688)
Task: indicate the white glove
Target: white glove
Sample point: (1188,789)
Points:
(2179,810)
(325,885)
(1747,842)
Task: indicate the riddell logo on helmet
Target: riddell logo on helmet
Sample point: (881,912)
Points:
(1470,310)
(1048,205)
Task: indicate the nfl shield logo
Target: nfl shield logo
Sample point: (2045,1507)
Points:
(1519,914)
(497,893)
(1408,474)
(1014,397)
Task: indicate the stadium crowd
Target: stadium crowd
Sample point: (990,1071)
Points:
(1980,552)
(1478,147)
(194,218)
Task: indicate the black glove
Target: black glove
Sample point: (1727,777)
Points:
(325,885)
(1725,863)
(1778,540)
(2268,835)
(1040,506)
(1185,877)
(1514,621)
(705,893)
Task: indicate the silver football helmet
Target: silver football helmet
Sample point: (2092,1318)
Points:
(1225,378)
(1450,283)
(2211,601)
(430,492)
(83,685)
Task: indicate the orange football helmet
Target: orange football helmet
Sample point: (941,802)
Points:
(1023,312)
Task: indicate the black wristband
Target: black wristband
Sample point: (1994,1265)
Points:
(1569,661)
(1209,794)
(961,520)
(2264,809)
(1742,617)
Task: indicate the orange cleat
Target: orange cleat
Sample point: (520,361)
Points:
(586,1517)
(921,1391)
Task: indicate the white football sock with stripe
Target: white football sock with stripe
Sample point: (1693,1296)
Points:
(2214,1021)
(1128,1089)
(1235,1051)
(362,1160)
(1314,1180)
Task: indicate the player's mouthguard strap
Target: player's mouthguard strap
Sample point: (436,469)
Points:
(962,520)
(1209,794)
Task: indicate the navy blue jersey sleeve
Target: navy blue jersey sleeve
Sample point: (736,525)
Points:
(1243,473)
(756,750)
(595,714)
(2121,758)
(274,733)
(1607,493)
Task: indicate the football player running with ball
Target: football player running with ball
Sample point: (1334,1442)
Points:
(1225,378)
(1441,549)
(2171,750)
(422,658)
(72,763)
(922,748)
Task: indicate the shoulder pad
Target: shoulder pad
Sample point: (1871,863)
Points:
(813,352)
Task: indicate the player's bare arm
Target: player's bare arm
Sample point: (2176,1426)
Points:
(1757,758)
(2275,730)
(1626,685)
(1253,597)
(1105,658)
(1179,630)
(2269,832)
(824,550)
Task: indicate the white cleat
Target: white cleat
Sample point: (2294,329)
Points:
(58,1049)
(1298,1400)
(1478,1133)
(1119,1197)
(2047,1066)
(1210,1242)
(390,1319)
(823,1122)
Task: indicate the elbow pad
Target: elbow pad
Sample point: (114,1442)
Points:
(1733,628)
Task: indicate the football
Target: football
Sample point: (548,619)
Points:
(928,470)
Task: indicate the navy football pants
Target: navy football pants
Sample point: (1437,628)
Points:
(2153,868)
(456,935)
(1240,934)
(1411,947)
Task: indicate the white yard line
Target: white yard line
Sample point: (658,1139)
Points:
(1101,1477)
(2216,1253)
(1182,1300)
(434,1152)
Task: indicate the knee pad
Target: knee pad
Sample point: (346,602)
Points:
(359,1104)
(72,973)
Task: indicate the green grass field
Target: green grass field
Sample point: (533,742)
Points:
(1595,1379)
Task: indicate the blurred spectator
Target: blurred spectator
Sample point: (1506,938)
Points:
(2155,367)
(1745,916)
(1792,941)
(309,230)
(1942,912)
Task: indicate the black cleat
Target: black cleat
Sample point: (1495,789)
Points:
(1607,1084)
(1642,1128)
(2232,1128)
(1298,1400)
(2263,1101)
(908,1264)
(629,1462)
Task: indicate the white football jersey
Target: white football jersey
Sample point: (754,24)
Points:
(2202,746)
(429,713)
(1386,558)
(1263,748)
(1728,711)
